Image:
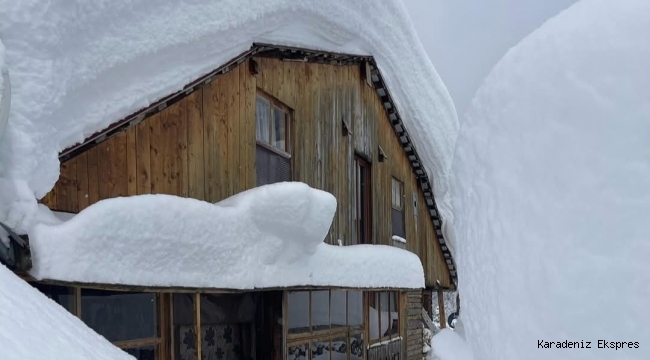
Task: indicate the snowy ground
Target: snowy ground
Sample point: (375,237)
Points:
(33,327)
(552,192)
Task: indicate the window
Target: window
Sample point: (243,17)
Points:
(363,213)
(325,323)
(128,319)
(273,155)
(397,212)
(61,295)
(383,316)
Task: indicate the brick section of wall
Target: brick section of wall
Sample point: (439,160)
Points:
(413,325)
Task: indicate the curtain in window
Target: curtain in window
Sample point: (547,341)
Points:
(262,117)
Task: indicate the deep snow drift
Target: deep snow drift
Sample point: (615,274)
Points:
(552,191)
(33,327)
(77,66)
(269,236)
(5,91)
(448,345)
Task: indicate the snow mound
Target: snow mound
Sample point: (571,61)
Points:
(270,236)
(34,327)
(77,66)
(552,191)
(447,345)
(5,91)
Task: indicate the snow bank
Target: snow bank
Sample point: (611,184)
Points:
(270,236)
(552,191)
(5,91)
(33,327)
(447,345)
(78,66)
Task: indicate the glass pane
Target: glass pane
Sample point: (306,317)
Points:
(338,308)
(355,308)
(339,348)
(320,310)
(298,352)
(394,314)
(385,314)
(143,353)
(120,316)
(262,113)
(373,316)
(183,326)
(226,324)
(320,350)
(279,129)
(356,346)
(298,312)
(61,295)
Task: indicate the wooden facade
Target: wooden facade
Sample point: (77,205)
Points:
(203,147)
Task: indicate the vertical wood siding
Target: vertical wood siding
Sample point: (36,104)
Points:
(204,147)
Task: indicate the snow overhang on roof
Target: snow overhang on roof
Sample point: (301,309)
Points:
(267,237)
(78,67)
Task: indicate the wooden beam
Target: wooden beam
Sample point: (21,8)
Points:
(197,323)
(441,309)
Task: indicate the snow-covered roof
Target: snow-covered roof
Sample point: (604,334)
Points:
(78,66)
(267,237)
(33,327)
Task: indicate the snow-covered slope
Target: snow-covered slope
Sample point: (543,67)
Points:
(33,327)
(78,66)
(267,237)
(552,191)
(5,91)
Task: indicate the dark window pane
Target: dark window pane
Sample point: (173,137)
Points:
(271,167)
(119,316)
(355,308)
(394,314)
(339,348)
(298,352)
(320,310)
(298,304)
(338,308)
(398,225)
(143,353)
(263,123)
(61,295)
(226,326)
(356,346)
(183,326)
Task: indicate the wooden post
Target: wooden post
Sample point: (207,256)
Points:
(441,309)
(197,323)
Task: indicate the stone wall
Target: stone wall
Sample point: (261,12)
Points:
(413,346)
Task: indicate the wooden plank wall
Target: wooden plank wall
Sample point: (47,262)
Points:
(204,147)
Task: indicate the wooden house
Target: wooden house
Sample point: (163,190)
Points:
(272,114)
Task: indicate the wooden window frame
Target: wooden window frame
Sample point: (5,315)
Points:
(397,191)
(391,337)
(323,335)
(360,162)
(161,321)
(274,102)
